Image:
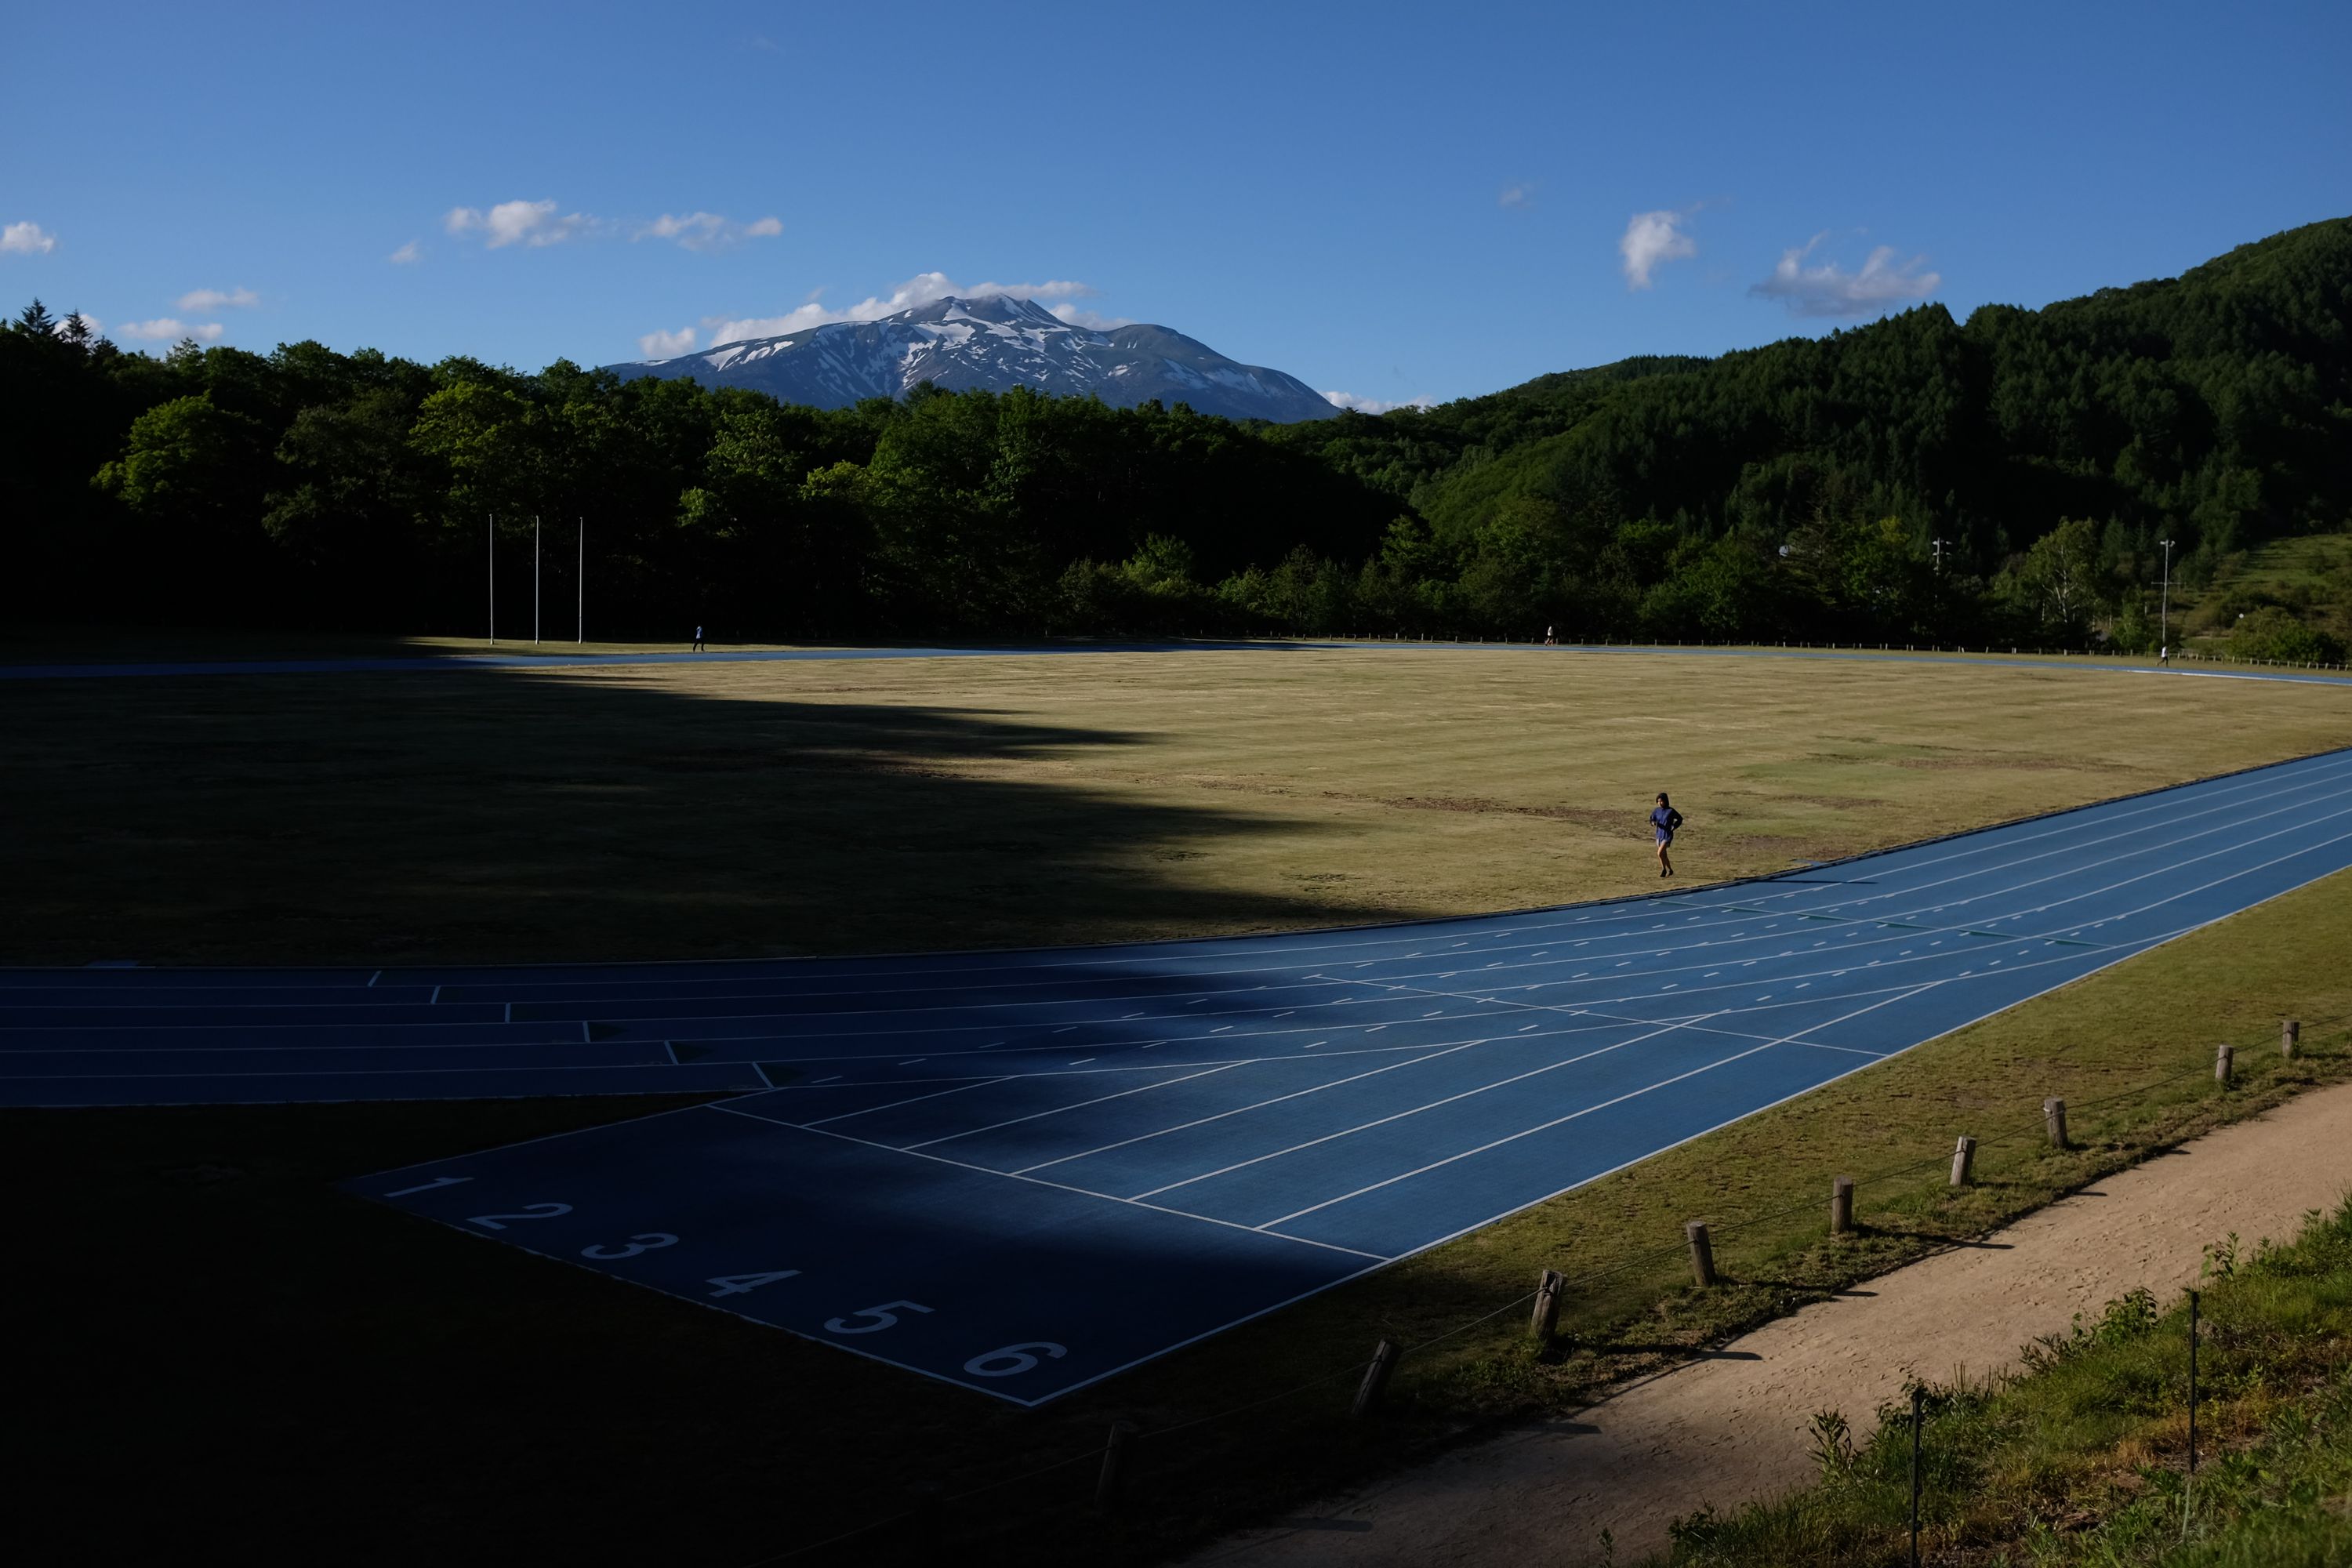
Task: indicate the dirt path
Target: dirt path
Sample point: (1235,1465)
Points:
(1721,1431)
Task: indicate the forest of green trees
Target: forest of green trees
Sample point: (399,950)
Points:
(1914,479)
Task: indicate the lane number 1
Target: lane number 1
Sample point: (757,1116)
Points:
(436,1182)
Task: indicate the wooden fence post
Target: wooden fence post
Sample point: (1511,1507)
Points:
(1702,1253)
(2222,1059)
(1108,1485)
(1376,1377)
(1546,1321)
(2053,1120)
(1964,1159)
(1841,1205)
(2290,1036)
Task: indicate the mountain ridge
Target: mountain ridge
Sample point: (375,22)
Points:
(994,343)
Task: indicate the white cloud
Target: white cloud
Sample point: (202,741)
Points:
(921,289)
(171,329)
(1829,289)
(215,299)
(26,240)
(709,231)
(407,254)
(527,223)
(1373,404)
(1522,194)
(666,345)
(1093,321)
(1651,239)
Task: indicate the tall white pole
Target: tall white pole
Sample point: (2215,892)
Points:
(494,579)
(580,581)
(2164,632)
(535,534)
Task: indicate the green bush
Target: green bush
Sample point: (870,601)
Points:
(2275,635)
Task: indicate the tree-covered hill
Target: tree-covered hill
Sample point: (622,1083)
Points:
(1800,489)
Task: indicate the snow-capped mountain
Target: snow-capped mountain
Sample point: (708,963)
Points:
(998,342)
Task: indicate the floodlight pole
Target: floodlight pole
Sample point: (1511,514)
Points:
(494,579)
(2164,632)
(580,581)
(535,535)
(1937,546)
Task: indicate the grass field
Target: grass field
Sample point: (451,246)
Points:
(723,810)
(287,1374)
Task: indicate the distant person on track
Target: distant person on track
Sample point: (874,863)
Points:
(1550,641)
(1667,821)
(698,639)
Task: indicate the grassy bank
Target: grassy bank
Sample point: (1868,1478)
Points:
(2084,1458)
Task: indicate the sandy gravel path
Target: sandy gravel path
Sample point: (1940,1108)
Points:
(1732,1428)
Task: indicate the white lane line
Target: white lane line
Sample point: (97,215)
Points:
(1256,1105)
(911,1099)
(373,978)
(1399,1116)
(674,1062)
(1081,1105)
(1037,1181)
(1575,1115)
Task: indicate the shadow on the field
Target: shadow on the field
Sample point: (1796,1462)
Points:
(560,815)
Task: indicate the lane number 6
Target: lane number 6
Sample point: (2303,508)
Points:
(1014,1360)
(885,1316)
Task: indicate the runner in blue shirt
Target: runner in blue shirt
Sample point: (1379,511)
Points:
(1666,819)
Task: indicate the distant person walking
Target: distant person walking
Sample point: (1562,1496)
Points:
(1667,821)
(698,639)
(1548,639)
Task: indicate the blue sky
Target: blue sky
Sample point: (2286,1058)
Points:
(1397,202)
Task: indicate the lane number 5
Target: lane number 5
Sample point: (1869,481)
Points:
(884,1316)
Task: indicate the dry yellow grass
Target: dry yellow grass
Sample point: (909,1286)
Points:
(722,809)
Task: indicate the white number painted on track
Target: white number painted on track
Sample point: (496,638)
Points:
(740,1284)
(530,1211)
(979,1365)
(888,1312)
(436,1182)
(652,1241)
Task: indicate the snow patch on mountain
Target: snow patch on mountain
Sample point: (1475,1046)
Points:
(997,343)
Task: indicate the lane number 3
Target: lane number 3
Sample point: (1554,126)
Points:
(652,1241)
(884,1316)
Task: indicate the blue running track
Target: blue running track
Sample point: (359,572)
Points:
(1025,1171)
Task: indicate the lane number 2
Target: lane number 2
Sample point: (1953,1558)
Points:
(1014,1360)
(652,1241)
(885,1316)
(530,1211)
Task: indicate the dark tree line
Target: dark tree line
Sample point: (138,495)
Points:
(1918,479)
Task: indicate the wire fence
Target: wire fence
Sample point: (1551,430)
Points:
(1109,1456)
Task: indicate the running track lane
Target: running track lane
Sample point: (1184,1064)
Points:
(1025,1171)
